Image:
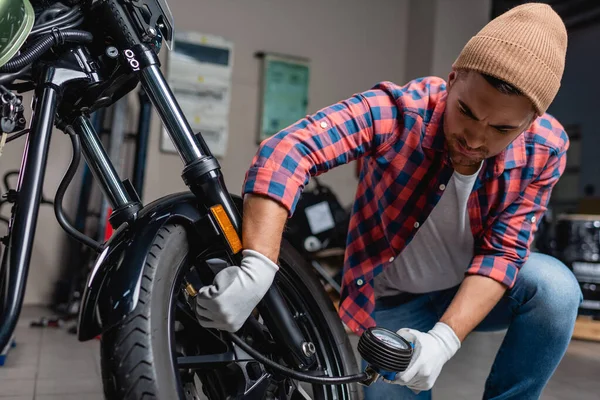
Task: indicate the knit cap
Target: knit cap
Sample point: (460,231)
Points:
(525,47)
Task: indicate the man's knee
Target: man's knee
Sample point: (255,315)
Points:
(551,285)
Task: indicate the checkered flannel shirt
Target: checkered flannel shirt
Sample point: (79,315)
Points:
(397,133)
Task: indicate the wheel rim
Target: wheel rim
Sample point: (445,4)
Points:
(306,312)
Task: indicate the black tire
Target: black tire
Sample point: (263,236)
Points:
(136,356)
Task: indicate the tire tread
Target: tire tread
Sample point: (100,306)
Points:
(128,372)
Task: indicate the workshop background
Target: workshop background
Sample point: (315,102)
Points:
(350,46)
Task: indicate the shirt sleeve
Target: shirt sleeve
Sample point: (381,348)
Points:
(505,247)
(333,136)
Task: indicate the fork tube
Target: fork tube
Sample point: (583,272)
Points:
(22,227)
(100,164)
(202,172)
(186,143)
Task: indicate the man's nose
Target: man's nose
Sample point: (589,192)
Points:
(474,139)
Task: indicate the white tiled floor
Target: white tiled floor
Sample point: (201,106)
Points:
(50,364)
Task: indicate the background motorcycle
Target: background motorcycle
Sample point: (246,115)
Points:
(78,57)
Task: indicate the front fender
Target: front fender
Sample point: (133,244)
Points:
(113,286)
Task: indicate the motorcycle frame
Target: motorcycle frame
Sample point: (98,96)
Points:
(116,276)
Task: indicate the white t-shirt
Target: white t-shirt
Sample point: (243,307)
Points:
(440,251)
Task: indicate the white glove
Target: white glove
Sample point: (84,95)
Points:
(431,351)
(235,292)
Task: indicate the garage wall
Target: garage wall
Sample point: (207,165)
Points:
(456,21)
(352,44)
(438,30)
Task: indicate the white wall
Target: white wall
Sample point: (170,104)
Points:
(456,21)
(438,30)
(352,45)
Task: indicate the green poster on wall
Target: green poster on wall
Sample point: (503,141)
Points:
(284,93)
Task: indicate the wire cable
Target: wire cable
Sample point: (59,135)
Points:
(60,194)
(329,380)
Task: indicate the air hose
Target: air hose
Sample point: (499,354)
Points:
(385,352)
(37,50)
(295,374)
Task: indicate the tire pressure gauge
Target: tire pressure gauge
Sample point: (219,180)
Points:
(385,352)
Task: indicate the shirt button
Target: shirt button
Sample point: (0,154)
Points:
(442,186)
(323,124)
(417,224)
(533,219)
(360,282)
(391,259)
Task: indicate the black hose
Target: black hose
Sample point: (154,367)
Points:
(7,176)
(329,380)
(60,194)
(49,13)
(37,29)
(5,79)
(43,45)
(73,20)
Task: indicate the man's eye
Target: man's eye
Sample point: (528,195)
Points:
(503,130)
(465,112)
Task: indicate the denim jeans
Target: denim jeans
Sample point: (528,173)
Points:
(539,314)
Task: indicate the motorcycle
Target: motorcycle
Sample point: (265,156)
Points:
(79,56)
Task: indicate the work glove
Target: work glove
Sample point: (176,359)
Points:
(235,292)
(431,351)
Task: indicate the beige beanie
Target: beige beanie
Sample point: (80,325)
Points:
(525,47)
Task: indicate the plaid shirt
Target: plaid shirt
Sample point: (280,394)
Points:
(397,132)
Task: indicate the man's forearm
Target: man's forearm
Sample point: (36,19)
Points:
(262,227)
(476,297)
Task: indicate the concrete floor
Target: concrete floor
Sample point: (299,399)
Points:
(50,364)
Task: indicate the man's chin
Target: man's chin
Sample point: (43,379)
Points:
(463,161)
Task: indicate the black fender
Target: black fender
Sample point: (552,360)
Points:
(113,285)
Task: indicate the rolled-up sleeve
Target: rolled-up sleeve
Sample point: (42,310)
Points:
(503,249)
(333,136)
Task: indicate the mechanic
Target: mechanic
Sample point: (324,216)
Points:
(455,178)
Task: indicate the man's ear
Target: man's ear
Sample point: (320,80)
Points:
(452,78)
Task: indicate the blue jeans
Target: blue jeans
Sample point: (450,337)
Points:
(539,312)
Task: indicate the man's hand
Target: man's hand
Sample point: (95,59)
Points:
(431,351)
(235,292)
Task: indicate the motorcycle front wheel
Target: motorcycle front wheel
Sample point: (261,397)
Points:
(160,351)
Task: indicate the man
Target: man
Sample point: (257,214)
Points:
(456,177)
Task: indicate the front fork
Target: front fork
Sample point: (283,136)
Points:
(202,174)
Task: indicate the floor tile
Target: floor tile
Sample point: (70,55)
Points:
(16,372)
(68,386)
(16,397)
(17,387)
(75,368)
(23,355)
